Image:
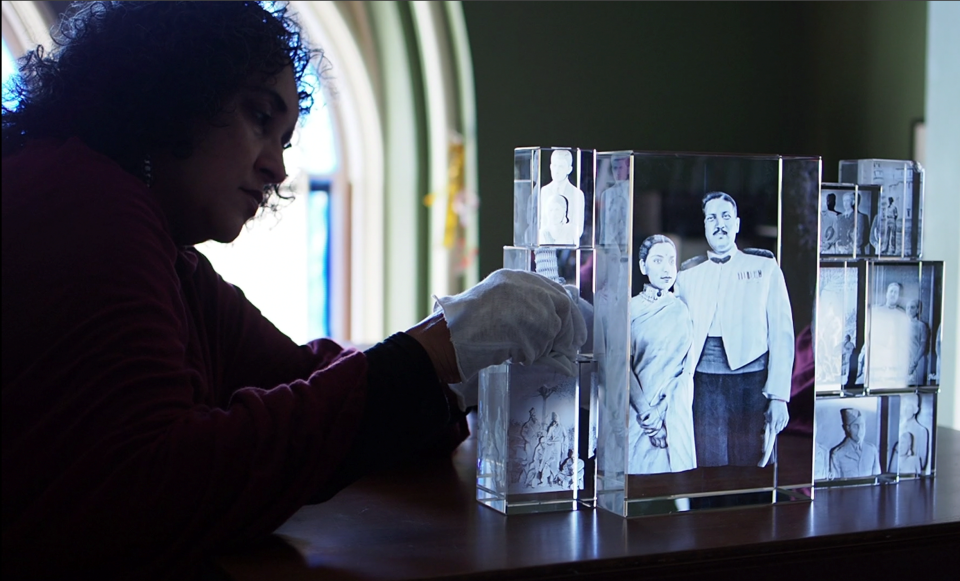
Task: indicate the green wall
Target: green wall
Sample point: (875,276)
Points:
(837,79)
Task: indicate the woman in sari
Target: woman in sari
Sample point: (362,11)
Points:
(661,395)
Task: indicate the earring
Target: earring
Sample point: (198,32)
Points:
(147,170)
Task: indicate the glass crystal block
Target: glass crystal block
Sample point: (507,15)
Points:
(691,351)
(856,440)
(553,196)
(904,305)
(897,218)
(571,267)
(839,326)
(915,450)
(846,211)
(534,454)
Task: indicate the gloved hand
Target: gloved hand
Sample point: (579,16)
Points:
(521,316)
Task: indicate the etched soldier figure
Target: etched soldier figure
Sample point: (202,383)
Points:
(743,343)
(919,343)
(887,223)
(557,194)
(852,457)
(848,352)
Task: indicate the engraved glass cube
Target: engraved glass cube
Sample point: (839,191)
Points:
(846,211)
(895,227)
(535,447)
(915,450)
(839,326)
(537,427)
(553,196)
(904,306)
(692,352)
(856,440)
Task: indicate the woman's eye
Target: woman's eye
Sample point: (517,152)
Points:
(261,116)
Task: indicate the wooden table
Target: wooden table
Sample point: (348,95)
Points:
(423,521)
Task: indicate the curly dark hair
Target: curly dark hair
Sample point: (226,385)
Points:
(129,78)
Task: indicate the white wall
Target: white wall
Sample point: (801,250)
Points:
(941,235)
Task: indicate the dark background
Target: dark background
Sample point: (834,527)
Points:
(836,79)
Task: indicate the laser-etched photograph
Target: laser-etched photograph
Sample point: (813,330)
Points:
(895,230)
(542,448)
(661,394)
(886,229)
(839,326)
(742,349)
(848,438)
(696,321)
(614,202)
(905,305)
(844,221)
(562,203)
(526,177)
(913,451)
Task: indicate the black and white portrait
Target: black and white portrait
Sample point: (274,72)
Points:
(614,201)
(913,452)
(542,448)
(695,315)
(848,438)
(829,211)
(904,310)
(846,231)
(895,227)
(844,221)
(561,202)
(886,229)
(838,326)
(661,391)
(741,354)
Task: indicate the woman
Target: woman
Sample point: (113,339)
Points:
(661,394)
(557,227)
(151,415)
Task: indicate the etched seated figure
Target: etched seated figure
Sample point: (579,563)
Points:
(561,203)
(913,448)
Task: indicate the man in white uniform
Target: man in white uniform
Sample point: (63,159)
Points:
(742,352)
(561,164)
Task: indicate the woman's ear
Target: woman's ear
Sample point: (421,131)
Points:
(643,268)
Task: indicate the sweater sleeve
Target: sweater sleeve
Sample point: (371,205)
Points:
(147,419)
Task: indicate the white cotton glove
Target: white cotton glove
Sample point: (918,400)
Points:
(515,315)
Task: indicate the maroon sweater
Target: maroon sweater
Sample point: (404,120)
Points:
(151,414)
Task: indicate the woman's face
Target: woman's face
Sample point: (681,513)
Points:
(556,212)
(212,194)
(660,265)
